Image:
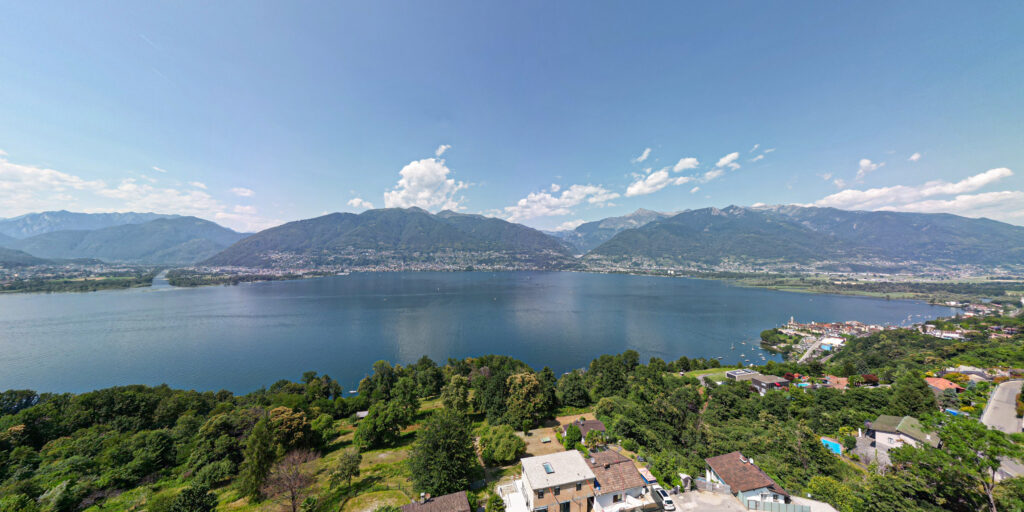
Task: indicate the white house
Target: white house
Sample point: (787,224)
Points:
(746,481)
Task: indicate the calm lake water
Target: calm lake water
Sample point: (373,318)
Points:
(243,337)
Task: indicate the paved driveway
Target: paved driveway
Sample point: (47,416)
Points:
(1001,413)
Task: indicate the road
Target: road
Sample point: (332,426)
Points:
(1001,414)
(810,351)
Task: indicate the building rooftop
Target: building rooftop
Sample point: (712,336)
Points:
(614,472)
(906,425)
(942,384)
(770,379)
(741,474)
(586,426)
(456,502)
(559,468)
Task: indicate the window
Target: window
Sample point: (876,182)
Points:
(579,486)
(548,469)
(540,494)
(563,507)
(558,490)
(616,498)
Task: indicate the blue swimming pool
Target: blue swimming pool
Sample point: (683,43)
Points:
(832,445)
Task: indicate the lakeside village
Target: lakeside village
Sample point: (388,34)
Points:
(817,341)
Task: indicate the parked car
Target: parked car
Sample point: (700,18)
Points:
(662,497)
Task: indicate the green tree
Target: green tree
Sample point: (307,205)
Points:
(382,424)
(912,397)
(455,394)
(968,460)
(197,498)
(547,381)
(500,445)
(444,455)
(259,458)
(347,467)
(495,503)
(834,492)
(525,402)
(406,394)
(573,435)
(18,503)
(573,389)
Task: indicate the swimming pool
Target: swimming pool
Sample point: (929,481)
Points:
(832,445)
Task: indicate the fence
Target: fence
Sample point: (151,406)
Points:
(702,484)
(770,506)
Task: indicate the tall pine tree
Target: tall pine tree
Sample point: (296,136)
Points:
(259,458)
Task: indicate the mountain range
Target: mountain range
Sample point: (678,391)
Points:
(807,235)
(390,234)
(823,238)
(32,224)
(165,240)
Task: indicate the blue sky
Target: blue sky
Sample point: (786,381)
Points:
(255,113)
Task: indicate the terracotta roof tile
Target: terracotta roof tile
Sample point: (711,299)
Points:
(456,502)
(742,476)
(614,472)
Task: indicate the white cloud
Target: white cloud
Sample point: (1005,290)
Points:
(756,158)
(27,188)
(769,150)
(157,169)
(360,204)
(196,184)
(826,176)
(643,156)
(569,225)
(729,161)
(754,148)
(712,174)
(922,198)
(694,190)
(866,166)
(839,182)
(441,149)
(3,153)
(547,203)
(555,187)
(425,183)
(915,157)
(649,184)
(244,209)
(242,192)
(685,163)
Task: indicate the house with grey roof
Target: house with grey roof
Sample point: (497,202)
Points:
(557,482)
(894,431)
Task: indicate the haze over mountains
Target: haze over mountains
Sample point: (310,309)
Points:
(592,234)
(162,240)
(822,238)
(32,224)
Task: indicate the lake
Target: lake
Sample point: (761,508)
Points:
(243,337)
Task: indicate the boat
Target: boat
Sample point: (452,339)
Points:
(733,347)
(352,391)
